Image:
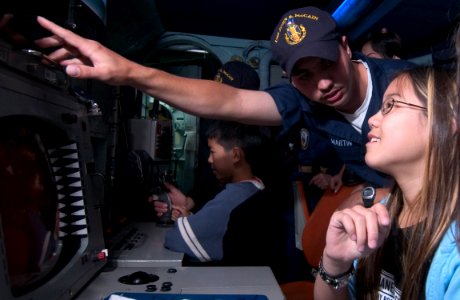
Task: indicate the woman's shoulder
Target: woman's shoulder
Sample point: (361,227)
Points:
(450,243)
(443,281)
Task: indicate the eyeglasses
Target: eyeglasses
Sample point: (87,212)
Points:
(387,106)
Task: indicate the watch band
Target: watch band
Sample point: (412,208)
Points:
(337,281)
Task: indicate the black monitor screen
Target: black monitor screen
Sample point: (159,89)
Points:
(29,204)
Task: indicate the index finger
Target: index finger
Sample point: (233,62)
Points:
(61,35)
(377,223)
(382,214)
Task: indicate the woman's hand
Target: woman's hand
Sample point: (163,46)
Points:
(354,233)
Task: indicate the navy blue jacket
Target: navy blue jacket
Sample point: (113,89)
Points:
(326,121)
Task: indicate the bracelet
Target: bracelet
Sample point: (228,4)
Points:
(337,281)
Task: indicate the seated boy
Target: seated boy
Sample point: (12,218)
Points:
(240,226)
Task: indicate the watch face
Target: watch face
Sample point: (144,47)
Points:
(368,192)
(368,196)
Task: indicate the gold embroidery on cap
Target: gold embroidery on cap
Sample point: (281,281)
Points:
(219,77)
(230,77)
(280,28)
(294,33)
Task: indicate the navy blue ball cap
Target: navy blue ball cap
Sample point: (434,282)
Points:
(238,74)
(304,32)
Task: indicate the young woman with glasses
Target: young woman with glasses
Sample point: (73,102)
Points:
(407,246)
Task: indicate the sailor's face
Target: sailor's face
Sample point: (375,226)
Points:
(325,81)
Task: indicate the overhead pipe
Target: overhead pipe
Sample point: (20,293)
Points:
(350,11)
(371,18)
(357,16)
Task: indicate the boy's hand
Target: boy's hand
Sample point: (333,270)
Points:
(160,207)
(179,211)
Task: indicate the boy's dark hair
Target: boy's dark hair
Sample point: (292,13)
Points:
(251,139)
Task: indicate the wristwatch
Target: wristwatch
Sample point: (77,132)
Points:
(368,195)
(338,281)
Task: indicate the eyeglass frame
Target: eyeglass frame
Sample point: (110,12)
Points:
(393,101)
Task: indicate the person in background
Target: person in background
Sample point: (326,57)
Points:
(241,226)
(317,166)
(332,91)
(314,163)
(312,166)
(383,44)
(206,186)
(406,247)
(237,74)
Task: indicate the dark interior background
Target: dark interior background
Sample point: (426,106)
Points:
(130,27)
(424,25)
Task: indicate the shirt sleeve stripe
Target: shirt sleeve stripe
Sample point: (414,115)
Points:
(191,240)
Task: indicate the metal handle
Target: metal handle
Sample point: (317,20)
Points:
(41,55)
